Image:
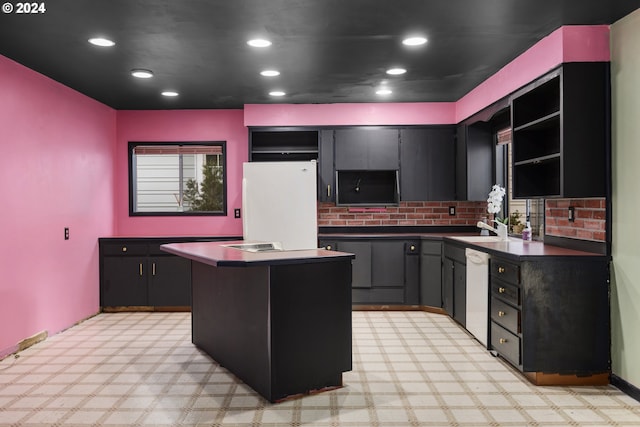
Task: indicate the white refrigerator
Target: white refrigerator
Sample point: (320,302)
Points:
(279,200)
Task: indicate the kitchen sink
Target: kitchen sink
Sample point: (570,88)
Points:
(257,247)
(481,239)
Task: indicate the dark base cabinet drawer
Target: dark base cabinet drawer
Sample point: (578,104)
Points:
(505,315)
(505,291)
(505,271)
(505,343)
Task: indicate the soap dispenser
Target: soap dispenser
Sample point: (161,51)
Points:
(526,233)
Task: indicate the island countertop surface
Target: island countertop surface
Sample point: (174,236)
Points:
(219,254)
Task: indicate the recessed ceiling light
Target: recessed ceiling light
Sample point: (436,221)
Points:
(396,71)
(259,43)
(102,42)
(414,41)
(384,91)
(277,93)
(270,73)
(142,73)
(169,93)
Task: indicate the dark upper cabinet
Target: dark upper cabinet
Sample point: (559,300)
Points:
(427,164)
(475,150)
(366,149)
(561,133)
(326,171)
(283,144)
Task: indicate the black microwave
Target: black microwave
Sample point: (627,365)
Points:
(367,188)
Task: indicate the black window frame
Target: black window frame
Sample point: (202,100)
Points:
(133,144)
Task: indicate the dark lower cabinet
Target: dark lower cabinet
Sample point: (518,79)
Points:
(550,317)
(431,273)
(135,273)
(385,271)
(454,282)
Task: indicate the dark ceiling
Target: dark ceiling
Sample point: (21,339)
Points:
(328,51)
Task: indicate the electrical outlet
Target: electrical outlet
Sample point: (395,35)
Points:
(572,214)
(452,210)
(236,213)
(66,233)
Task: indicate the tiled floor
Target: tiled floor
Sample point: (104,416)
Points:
(410,369)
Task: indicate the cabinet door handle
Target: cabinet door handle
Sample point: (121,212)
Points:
(503,341)
(124,249)
(140,268)
(329,190)
(501,314)
(328,247)
(501,290)
(412,248)
(153,269)
(500,269)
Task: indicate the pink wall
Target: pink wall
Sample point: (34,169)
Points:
(181,125)
(578,43)
(56,171)
(410,113)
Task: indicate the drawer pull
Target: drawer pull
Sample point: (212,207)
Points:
(502,341)
(502,290)
(124,249)
(501,314)
(500,269)
(412,248)
(328,247)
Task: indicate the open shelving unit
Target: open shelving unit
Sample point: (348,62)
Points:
(561,133)
(283,145)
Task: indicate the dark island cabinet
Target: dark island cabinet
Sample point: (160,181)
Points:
(561,133)
(136,274)
(427,156)
(454,282)
(549,317)
(384,272)
(366,148)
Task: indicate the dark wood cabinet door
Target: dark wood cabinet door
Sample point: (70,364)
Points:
(124,281)
(170,281)
(414,161)
(326,170)
(447,285)
(368,149)
(431,274)
(361,269)
(460,293)
(388,264)
(441,178)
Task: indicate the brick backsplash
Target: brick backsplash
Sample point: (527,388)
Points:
(406,214)
(590,218)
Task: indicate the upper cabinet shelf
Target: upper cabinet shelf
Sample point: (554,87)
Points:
(283,144)
(561,133)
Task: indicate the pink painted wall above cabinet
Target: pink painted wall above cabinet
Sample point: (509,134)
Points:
(376,114)
(56,171)
(177,126)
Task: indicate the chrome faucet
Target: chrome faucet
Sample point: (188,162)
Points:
(502,231)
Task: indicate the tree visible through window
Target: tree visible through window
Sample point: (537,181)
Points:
(177,178)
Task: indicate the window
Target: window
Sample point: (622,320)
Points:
(177,178)
(519,210)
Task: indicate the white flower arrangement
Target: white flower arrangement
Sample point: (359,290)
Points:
(494,202)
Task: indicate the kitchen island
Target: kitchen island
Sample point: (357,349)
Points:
(278,320)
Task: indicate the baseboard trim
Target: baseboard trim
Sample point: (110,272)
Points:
(34,339)
(547,379)
(145,308)
(625,387)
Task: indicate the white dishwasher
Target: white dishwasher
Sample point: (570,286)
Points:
(478,294)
